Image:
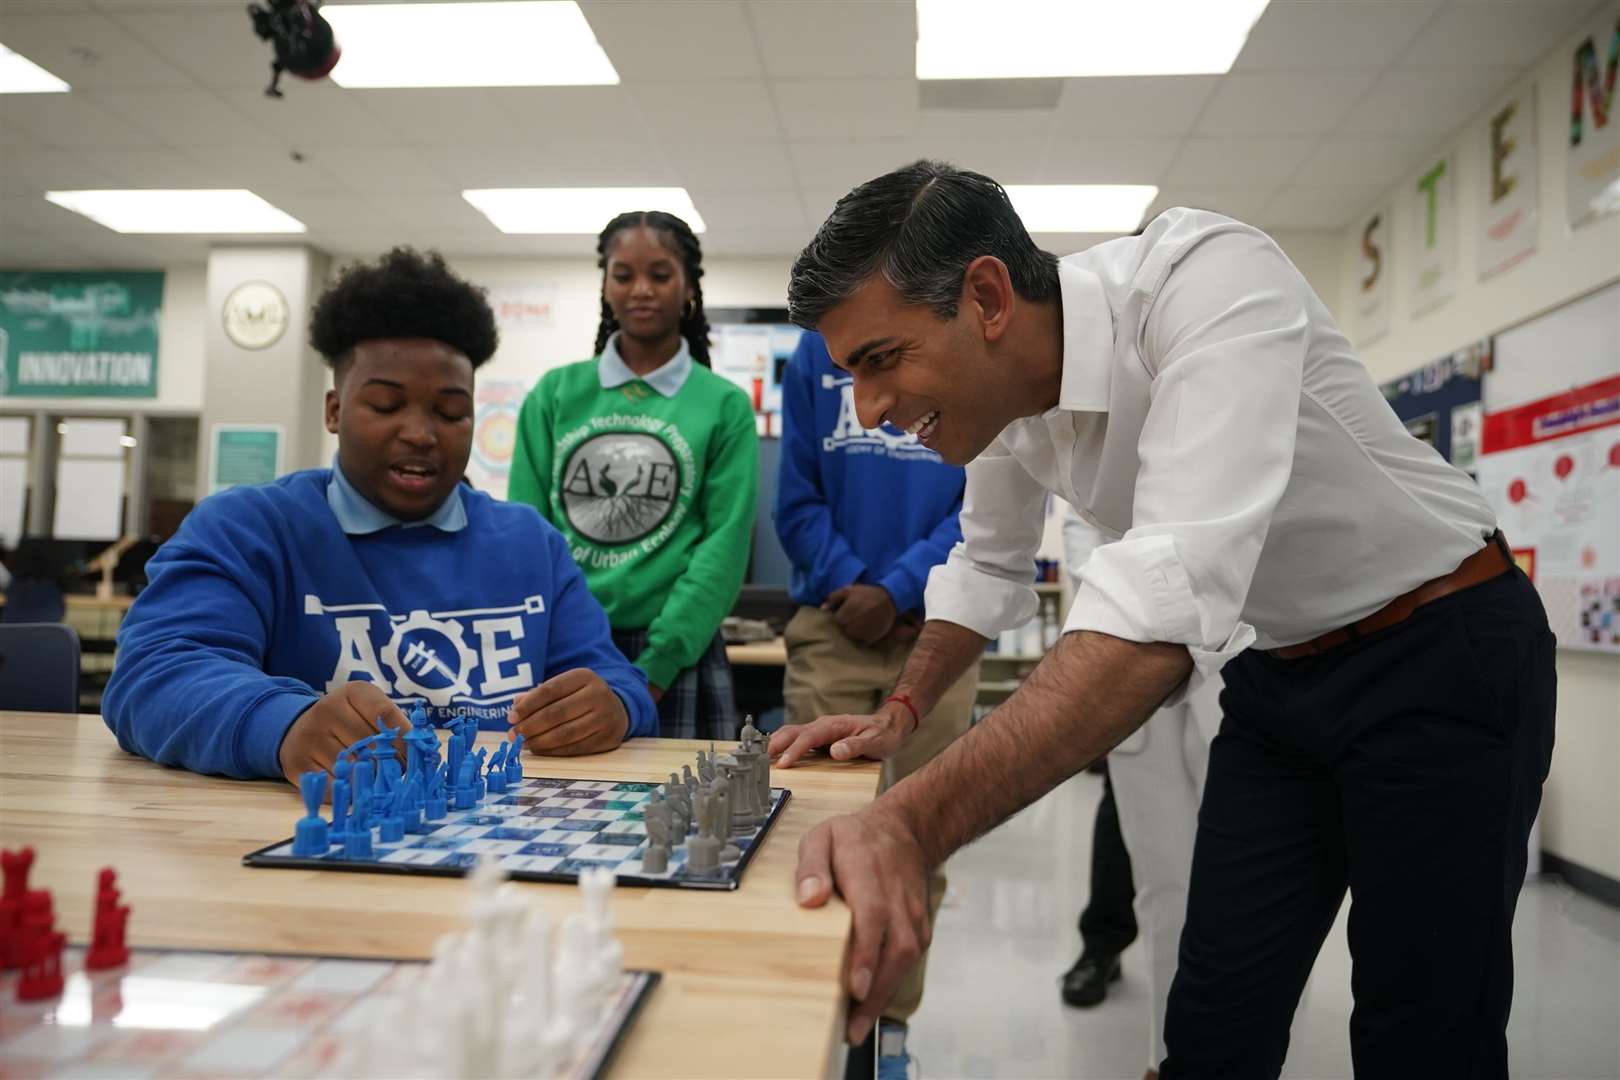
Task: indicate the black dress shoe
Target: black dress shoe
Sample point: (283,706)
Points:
(1086,984)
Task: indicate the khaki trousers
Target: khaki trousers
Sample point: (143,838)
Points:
(828,675)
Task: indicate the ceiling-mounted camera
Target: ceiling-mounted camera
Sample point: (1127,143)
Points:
(303,41)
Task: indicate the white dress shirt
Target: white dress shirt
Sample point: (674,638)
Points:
(1249,483)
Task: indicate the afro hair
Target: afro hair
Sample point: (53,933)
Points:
(404,294)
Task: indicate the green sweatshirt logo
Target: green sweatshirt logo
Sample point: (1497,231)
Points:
(624,483)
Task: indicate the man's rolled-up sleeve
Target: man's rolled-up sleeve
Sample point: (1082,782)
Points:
(1225,339)
(987,582)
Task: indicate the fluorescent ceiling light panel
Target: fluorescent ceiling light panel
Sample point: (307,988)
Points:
(524,43)
(1046,39)
(19,75)
(576,210)
(1081,208)
(201,211)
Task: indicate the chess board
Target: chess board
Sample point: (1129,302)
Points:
(222,1014)
(543,829)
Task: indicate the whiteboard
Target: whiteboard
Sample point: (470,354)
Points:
(84,437)
(13,497)
(1567,347)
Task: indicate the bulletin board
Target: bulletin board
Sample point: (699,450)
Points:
(1440,402)
(1550,462)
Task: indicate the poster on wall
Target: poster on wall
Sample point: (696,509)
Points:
(496,403)
(244,454)
(1434,235)
(1592,173)
(80,333)
(1508,219)
(1433,401)
(1372,275)
(522,307)
(752,355)
(1551,470)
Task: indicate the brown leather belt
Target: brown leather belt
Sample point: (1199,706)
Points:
(1489,561)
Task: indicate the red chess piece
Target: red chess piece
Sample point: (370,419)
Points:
(39,948)
(107,949)
(15,865)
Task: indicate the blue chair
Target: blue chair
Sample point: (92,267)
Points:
(39,667)
(34,600)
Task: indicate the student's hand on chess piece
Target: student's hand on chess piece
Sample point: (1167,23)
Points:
(865,613)
(872,860)
(570,714)
(337,720)
(874,736)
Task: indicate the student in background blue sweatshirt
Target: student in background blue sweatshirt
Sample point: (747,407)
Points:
(287,620)
(863,516)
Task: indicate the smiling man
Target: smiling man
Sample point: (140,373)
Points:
(1389,673)
(287,620)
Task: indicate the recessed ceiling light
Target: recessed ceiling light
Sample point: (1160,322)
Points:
(576,210)
(1081,208)
(1028,39)
(524,43)
(19,75)
(201,211)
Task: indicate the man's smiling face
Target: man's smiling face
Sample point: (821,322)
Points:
(919,372)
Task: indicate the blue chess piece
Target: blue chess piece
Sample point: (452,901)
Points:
(514,763)
(413,806)
(361,806)
(479,789)
(467,784)
(310,834)
(433,800)
(357,842)
(341,793)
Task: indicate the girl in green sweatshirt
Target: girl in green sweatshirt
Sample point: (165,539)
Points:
(648,463)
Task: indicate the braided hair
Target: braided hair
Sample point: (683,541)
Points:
(680,238)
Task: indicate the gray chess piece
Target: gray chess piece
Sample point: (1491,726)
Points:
(721,794)
(750,734)
(680,804)
(703,850)
(659,826)
(762,783)
(706,766)
(744,815)
(688,779)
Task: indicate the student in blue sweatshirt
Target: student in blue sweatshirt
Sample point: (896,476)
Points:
(863,515)
(287,620)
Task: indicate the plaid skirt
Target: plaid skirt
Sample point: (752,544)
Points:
(701,704)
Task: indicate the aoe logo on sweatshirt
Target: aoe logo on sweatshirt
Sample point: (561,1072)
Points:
(619,486)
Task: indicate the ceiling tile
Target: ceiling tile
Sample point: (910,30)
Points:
(387,169)
(71,121)
(491,165)
(1237,162)
(729,166)
(1107,161)
(262,167)
(89,51)
(35,250)
(830,164)
(1300,207)
(1167,105)
(433,116)
(1417,102)
(1242,203)
(339,209)
(319,114)
(543,114)
(738,242)
(442,211)
(742,210)
(1493,33)
(697,112)
(1351,160)
(603,163)
(142,168)
(1313,35)
(847,108)
(191,117)
(674,40)
(212,43)
(32,168)
(1282,103)
(986,123)
(821,39)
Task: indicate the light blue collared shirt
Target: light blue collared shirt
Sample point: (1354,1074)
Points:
(358,516)
(667,380)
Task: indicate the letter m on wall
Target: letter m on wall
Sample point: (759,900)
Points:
(1594,84)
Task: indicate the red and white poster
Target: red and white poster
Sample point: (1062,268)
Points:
(1551,469)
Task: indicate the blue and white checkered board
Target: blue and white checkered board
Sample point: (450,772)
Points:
(544,829)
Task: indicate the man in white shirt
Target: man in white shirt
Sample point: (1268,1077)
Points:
(1389,674)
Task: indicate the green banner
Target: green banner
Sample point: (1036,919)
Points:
(80,333)
(244,454)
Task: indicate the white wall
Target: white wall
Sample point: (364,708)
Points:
(1581,802)
(180,355)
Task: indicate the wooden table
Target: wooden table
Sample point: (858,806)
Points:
(751,981)
(758,653)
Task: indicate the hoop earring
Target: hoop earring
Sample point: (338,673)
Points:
(689,310)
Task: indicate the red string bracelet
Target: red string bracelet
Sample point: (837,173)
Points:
(905,699)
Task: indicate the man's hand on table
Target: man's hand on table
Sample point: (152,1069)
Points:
(873,736)
(336,721)
(570,714)
(872,860)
